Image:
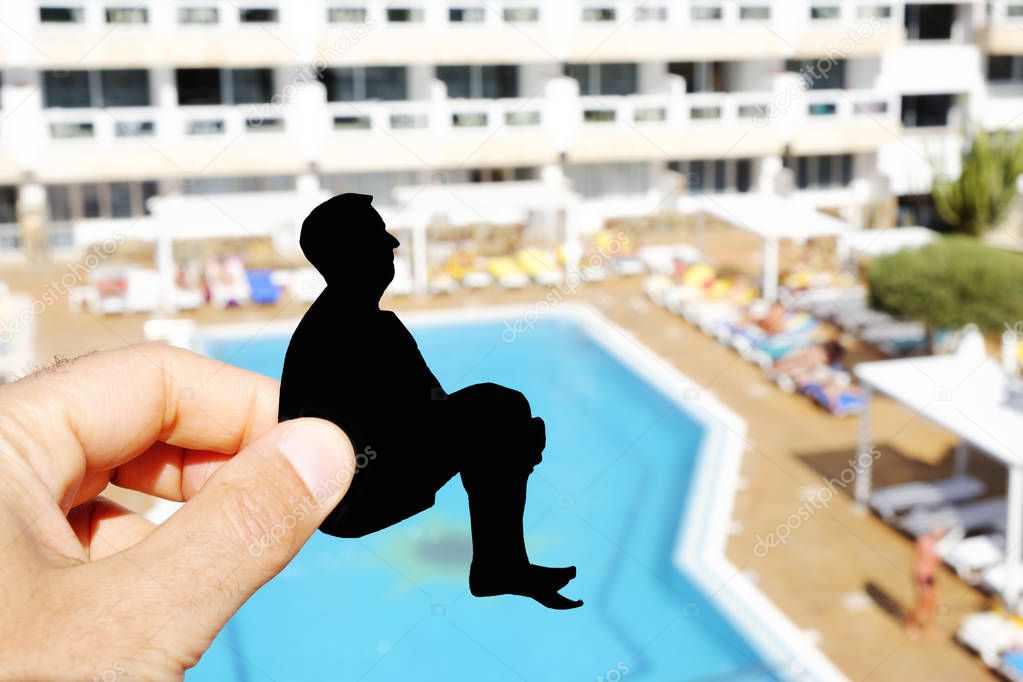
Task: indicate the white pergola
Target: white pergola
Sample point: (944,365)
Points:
(183,217)
(965,393)
(496,203)
(772,218)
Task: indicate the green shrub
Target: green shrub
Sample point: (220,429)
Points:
(950,283)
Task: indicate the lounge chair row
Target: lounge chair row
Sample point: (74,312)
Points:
(848,308)
(974,543)
(528,266)
(224,282)
(786,345)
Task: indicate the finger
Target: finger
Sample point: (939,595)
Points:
(105,527)
(169,471)
(105,409)
(244,525)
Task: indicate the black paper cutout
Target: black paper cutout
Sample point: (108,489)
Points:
(358,366)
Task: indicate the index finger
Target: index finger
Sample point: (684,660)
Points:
(102,410)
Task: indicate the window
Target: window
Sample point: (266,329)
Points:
(598,14)
(346,15)
(8,204)
(233,184)
(58,202)
(66,89)
(203,16)
(923,111)
(825,12)
(822,172)
(701,76)
(609,179)
(521,14)
(99,200)
(404,15)
(379,184)
(755,12)
(61,15)
(878,11)
(198,86)
(106,88)
(355,84)
(258,15)
(605,79)
(127,15)
(124,88)
(466,15)
(251,86)
(1014,10)
(705,13)
(644,13)
(120,200)
(134,128)
(715,175)
(743,175)
(474,82)
(930,22)
(1005,68)
(819,74)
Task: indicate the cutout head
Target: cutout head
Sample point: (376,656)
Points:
(345,239)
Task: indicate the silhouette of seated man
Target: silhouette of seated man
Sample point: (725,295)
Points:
(359,367)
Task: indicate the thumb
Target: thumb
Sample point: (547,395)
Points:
(244,526)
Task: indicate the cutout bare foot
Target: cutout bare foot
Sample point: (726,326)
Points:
(537,582)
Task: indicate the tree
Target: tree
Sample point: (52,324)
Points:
(982,195)
(950,283)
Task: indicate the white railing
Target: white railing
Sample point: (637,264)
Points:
(124,123)
(438,116)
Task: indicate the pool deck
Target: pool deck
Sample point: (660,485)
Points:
(842,576)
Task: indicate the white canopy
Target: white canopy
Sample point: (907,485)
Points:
(496,203)
(771,217)
(967,394)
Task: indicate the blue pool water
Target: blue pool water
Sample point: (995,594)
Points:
(607,497)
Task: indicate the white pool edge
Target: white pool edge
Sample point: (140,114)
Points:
(705,522)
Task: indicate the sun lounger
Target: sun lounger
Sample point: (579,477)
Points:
(990,634)
(227,282)
(894,499)
(967,517)
(261,287)
(541,266)
(439,282)
(841,402)
(896,337)
(656,288)
(507,273)
(661,259)
(971,557)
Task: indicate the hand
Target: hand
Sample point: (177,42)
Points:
(89,590)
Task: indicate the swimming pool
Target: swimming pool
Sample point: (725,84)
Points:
(608,497)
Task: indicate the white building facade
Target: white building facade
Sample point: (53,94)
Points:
(105,104)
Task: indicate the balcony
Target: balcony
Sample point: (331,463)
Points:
(156,142)
(1001,35)
(218,33)
(150,34)
(440,133)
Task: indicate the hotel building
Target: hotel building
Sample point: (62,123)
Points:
(105,104)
